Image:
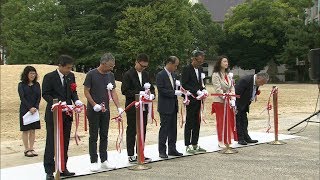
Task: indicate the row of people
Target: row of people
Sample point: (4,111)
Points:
(57,85)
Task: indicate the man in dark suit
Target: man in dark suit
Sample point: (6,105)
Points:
(247,87)
(191,80)
(57,85)
(168,108)
(132,83)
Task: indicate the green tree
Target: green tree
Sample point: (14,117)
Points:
(207,34)
(91,27)
(255,32)
(32,30)
(302,36)
(259,31)
(160,30)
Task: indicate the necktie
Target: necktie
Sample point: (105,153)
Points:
(171,80)
(64,81)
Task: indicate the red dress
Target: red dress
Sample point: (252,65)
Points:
(226,130)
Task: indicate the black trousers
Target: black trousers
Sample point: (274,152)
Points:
(192,126)
(168,130)
(48,161)
(98,124)
(131,129)
(242,126)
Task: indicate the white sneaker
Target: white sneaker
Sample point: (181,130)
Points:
(107,165)
(94,167)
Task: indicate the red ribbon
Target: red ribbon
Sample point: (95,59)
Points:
(77,110)
(59,156)
(187,101)
(268,108)
(138,105)
(183,108)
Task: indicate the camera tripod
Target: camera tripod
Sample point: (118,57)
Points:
(306,120)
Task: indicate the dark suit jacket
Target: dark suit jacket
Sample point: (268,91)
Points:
(52,88)
(131,84)
(167,101)
(189,80)
(244,88)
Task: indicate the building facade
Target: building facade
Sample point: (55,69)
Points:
(313,13)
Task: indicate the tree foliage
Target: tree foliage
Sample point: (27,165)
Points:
(164,28)
(159,30)
(262,30)
(91,27)
(32,30)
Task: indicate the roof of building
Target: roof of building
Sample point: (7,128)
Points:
(218,8)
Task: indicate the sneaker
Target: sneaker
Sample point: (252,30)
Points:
(132,159)
(107,165)
(199,149)
(190,150)
(94,167)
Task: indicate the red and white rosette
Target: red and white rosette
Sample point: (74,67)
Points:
(148,100)
(202,98)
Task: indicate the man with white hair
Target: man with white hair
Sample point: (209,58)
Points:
(96,86)
(191,80)
(248,89)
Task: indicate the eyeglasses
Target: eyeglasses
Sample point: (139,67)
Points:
(142,65)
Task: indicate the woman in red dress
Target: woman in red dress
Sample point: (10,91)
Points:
(224,110)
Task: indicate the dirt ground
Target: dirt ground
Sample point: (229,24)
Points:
(295,100)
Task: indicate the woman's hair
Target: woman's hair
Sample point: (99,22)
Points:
(217,65)
(24,75)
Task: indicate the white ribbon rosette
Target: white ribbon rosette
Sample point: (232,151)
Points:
(178,84)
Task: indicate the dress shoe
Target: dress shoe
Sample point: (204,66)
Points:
(147,160)
(67,173)
(163,155)
(175,153)
(242,142)
(133,159)
(49,177)
(252,141)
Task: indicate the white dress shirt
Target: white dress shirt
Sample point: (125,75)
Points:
(61,76)
(140,77)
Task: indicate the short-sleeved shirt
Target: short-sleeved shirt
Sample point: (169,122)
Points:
(97,83)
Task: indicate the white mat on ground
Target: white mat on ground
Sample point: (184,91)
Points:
(80,164)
